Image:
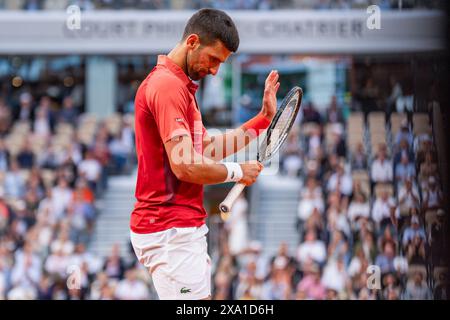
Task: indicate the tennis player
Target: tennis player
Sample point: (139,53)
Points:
(176,157)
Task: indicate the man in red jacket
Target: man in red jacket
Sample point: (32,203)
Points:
(176,157)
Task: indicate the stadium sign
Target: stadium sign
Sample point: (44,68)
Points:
(139,32)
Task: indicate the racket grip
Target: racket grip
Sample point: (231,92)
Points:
(227,203)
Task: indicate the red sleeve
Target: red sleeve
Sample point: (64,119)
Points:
(169,102)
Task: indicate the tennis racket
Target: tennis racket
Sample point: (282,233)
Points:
(276,135)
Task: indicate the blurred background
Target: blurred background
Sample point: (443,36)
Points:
(357,210)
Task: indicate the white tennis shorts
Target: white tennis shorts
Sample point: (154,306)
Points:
(177,260)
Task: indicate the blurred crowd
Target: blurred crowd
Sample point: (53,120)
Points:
(371,219)
(54,166)
(32,5)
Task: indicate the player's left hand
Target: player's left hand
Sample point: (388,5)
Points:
(269,105)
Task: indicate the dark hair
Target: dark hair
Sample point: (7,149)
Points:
(211,25)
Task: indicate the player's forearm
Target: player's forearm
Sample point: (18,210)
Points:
(226,144)
(202,173)
(195,168)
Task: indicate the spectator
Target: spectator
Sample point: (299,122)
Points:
(404,151)
(25,109)
(359,158)
(91,169)
(61,196)
(381,170)
(428,168)
(384,210)
(4,214)
(14,182)
(5,117)
(114,265)
(404,170)
(27,270)
(396,92)
(249,285)
(4,156)
(408,199)
(404,134)
(42,125)
(341,181)
(415,251)
(337,142)
(335,276)
(391,289)
(441,289)
(358,264)
(414,230)
(131,288)
(311,285)
(385,260)
(237,227)
(69,112)
(310,200)
(438,238)
(359,208)
(278,286)
(25,158)
(311,249)
(432,198)
(310,114)
(334,113)
(417,289)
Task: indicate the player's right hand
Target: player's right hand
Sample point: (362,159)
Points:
(251,171)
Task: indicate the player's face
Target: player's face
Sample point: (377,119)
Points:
(204,60)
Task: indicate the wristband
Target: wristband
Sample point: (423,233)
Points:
(234,171)
(257,124)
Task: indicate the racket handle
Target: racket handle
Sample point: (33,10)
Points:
(227,203)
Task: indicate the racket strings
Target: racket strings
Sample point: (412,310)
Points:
(279,131)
